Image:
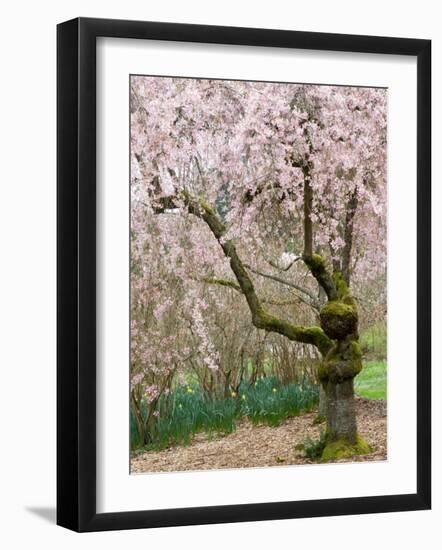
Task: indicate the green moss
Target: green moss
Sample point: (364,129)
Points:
(318,269)
(343,361)
(354,350)
(222,282)
(322,451)
(322,371)
(338,319)
(343,448)
(206,207)
(338,309)
(350,301)
(307,335)
(338,371)
(319,338)
(266,321)
(341,285)
(342,290)
(317,266)
(315,262)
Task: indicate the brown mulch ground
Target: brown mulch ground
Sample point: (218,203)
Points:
(256,446)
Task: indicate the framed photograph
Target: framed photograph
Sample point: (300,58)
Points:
(243,274)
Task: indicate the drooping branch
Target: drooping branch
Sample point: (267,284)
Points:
(260,318)
(279,268)
(313,301)
(231,284)
(284,302)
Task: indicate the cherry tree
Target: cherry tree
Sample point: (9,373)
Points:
(245,184)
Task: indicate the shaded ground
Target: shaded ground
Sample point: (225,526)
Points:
(257,446)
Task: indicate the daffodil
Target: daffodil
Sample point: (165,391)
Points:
(243,397)
(233,394)
(274,390)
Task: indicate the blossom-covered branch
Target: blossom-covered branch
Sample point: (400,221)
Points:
(260,318)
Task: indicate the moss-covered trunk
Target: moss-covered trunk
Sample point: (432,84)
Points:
(342,438)
(339,320)
(340,410)
(336,373)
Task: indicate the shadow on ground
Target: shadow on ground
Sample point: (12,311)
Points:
(46,513)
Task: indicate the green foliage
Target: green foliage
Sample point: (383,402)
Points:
(374,341)
(270,402)
(313,448)
(187,411)
(371,382)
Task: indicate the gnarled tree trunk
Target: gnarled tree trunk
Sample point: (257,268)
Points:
(340,410)
(339,321)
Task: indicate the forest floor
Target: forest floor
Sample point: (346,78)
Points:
(252,446)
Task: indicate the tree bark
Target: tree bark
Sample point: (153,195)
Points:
(308,202)
(322,410)
(340,411)
(352,206)
(339,320)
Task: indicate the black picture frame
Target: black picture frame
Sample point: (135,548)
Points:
(77,287)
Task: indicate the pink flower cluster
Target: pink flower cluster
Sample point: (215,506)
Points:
(151,393)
